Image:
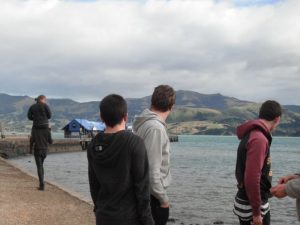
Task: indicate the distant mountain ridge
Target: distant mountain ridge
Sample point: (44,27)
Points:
(214,101)
(194,113)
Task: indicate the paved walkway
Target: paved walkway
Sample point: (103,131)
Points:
(22,204)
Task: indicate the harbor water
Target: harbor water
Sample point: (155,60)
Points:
(203,187)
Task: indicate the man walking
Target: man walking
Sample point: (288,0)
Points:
(288,186)
(40,114)
(253,166)
(151,126)
(118,170)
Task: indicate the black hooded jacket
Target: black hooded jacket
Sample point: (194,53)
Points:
(39,113)
(119,179)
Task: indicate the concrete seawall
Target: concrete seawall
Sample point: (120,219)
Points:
(12,147)
(22,203)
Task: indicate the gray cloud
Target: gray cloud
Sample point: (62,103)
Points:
(87,50)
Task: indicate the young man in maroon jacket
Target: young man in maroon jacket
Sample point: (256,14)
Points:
(253,166)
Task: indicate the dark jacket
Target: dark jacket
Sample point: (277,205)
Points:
(253,166)
(39,113)
(40,140)
(119,179)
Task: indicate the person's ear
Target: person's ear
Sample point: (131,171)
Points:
(172,108)
(126,118)
(277,120)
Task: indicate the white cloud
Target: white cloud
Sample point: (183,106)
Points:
(86,50)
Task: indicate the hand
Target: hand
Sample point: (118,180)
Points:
(279,191)
(165,205)
(284,180)
(257,220)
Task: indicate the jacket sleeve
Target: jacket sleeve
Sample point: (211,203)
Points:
(50,140)
(293,188)
(140,171)
(48,111)
(93,182)
(29,114)
(256,154)
(153,142)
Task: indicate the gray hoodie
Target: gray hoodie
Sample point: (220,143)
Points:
(153,130)
(293,191)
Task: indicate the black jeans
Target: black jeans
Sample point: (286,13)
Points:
(39,157)
(266,220)
(160,215)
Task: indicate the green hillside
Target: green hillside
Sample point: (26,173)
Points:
(194,113)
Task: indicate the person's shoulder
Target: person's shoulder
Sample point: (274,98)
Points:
(44,105)
(131,136)
(133,140)
(153,122)
(33,106)
(258,136)
(95,140)
(98,137)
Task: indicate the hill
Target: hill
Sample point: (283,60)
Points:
(194,113)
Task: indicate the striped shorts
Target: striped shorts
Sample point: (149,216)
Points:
(243,209)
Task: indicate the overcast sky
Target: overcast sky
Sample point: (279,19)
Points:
(86,49)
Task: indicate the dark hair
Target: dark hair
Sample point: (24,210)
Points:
(39,98)
(270,110)
(113,109)
(163,98)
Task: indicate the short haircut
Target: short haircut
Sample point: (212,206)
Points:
(270,110)
(163,98)
(113,109)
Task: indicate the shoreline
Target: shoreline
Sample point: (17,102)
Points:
(52,183)
(22,203)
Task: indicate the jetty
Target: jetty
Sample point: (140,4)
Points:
(22,203)
(18,146)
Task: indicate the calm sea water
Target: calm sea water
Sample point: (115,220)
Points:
(203,185)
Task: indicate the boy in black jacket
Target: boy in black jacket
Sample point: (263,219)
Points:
(118,170)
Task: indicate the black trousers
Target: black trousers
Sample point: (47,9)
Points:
(40,157)
(266,220)
(160,215)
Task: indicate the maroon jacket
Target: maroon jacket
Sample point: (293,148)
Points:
(257,151)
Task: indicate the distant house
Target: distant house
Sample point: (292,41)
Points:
(78,128)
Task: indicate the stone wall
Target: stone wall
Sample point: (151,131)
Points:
(12,147)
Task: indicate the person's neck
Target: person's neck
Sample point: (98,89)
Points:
(115,129)
(162,115)
(268,124)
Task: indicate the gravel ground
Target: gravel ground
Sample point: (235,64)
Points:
(22,204)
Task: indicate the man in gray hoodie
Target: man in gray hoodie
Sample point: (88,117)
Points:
(151,127)
(288,186)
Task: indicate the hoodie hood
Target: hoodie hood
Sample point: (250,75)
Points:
(245,128)
(146,115)
(106,148)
